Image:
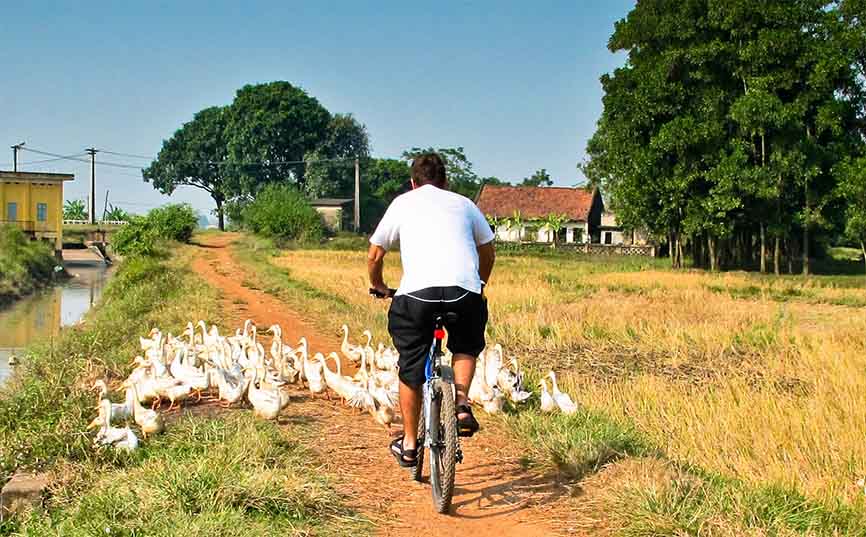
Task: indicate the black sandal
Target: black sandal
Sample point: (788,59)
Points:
(466,427)
(406,458)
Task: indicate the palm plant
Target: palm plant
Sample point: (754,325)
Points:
(515,221)
(553,223)
(116,214)
(74,210)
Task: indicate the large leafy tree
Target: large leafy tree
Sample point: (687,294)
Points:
(197,156)
(271,127)
(726,121)
(330,167)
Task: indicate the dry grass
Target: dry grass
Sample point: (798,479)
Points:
(760,379)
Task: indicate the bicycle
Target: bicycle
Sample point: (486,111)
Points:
(437,428)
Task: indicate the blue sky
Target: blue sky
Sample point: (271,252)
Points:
(514,83)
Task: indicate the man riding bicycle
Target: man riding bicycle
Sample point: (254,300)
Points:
(446,248)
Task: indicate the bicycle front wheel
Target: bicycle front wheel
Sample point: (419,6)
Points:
(443,452)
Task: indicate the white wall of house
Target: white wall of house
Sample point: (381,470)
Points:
(574,232)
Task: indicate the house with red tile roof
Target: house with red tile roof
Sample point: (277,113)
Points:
(581,207)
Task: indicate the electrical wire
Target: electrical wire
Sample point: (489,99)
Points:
(205,162)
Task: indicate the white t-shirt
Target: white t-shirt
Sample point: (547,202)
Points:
(438,232)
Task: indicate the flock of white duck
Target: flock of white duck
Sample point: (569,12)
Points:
(237,369)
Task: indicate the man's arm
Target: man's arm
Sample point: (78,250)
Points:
(375,266)
(486,258)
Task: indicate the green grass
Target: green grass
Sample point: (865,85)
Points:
(234,475)
(223,475)
(25,265)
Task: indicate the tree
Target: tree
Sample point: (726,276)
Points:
(539,178)
(271,127)
(726,122)
(853,189)
(74,210)
(330,169)
(197,156)
(382,180)
(461,178)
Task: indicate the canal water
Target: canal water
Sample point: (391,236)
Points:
(42,315)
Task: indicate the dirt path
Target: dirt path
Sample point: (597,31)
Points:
(494,495)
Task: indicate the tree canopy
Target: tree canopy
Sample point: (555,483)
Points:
(461,177)
(725,125)
(271,127)
(539,178)
(197,156)
(269,134)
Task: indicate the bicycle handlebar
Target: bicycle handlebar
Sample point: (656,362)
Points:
(378,294)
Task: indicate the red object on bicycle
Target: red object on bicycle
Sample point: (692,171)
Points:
(439,334)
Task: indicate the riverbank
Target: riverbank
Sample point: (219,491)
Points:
(25,265)
(211,473)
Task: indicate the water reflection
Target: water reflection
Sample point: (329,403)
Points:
(43,314)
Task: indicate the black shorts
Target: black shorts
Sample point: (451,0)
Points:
(410,323)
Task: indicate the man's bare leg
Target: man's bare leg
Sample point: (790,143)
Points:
(464,370)
(410,408)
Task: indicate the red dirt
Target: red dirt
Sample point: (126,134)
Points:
(494,494)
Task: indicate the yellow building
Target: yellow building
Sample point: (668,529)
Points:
(34,203)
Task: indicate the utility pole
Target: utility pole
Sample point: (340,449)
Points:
(15,149)
(357,196)
(92,152)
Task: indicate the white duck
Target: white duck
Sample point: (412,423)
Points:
(352,353)
(350,392)
(563,401)
(232,385)
(511,383)
(265,399)
(122,439)
(386,358)
(547,402)
(313,372)
(119,411)
(494,404)
(492,364)
(150,421)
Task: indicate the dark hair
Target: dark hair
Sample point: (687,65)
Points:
(428,169)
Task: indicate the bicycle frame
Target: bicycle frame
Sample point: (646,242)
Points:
(434,370)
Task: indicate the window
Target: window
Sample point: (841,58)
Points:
(608,237)
(12,211)
(41,212)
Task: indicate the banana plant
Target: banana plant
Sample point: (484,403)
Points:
(74,210)
(552,223)
(515,221)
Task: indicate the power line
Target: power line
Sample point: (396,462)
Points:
(131,155)
(205,162)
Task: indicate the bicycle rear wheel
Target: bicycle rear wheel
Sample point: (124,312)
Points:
(443,451)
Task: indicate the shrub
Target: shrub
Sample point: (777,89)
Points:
(24,264)
(138,237)
(174,222)
(282,213)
